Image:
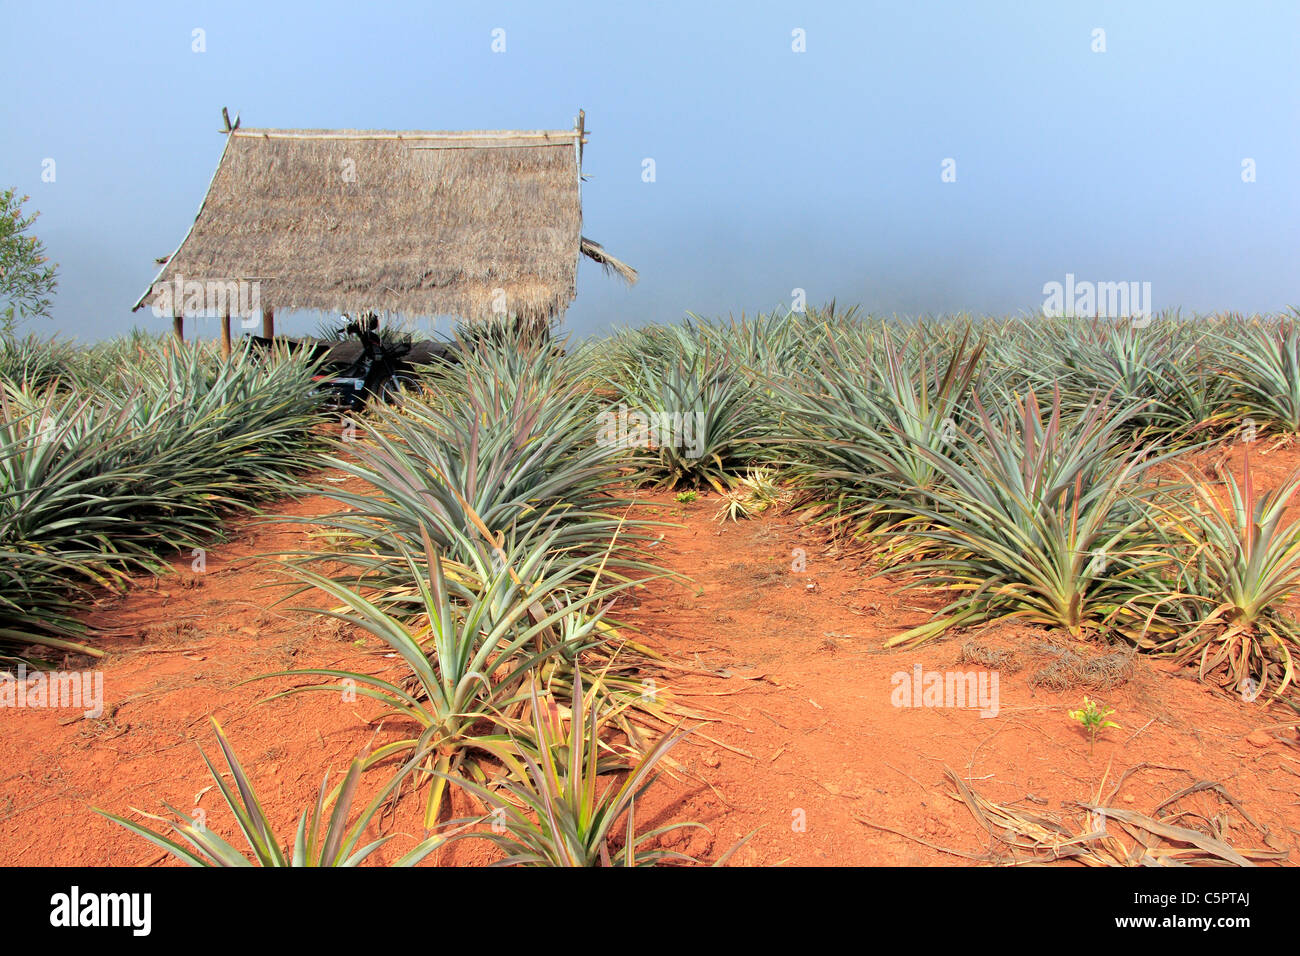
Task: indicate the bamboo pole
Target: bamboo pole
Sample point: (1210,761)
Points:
(556,136)
(225,335)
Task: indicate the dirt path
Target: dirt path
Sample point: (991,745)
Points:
(810,742)
(815,744)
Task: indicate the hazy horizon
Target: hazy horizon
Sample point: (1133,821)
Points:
(775,170)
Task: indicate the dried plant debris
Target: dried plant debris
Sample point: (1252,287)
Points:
(994,658)
(171,633)
(1098,834)
(1067,669)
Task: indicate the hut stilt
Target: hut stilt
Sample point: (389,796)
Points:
(225,335)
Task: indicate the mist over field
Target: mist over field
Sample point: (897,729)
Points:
(793,147)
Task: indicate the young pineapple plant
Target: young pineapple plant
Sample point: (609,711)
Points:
(503,440)
(750,495)
(702,419)
(524,609)
(1235,561)
(860,428)
(1163,365)
(570,802)
(135,465)
(37,362)
(1261,359)
(1040,519)
(319,840)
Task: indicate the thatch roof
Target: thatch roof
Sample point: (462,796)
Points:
(416,223)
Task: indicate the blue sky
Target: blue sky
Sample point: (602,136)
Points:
(775,170)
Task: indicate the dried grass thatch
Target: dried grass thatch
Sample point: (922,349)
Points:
(412,223)
(596,252)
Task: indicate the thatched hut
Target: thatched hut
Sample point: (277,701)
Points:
(471,224)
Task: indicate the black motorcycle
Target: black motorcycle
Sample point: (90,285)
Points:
(379,370)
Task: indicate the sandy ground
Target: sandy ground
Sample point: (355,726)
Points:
(778,643)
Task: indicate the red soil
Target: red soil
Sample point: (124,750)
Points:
(789,664)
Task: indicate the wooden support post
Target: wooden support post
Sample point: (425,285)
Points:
(178,327)
(268,323)
(582,135)
(225,335)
